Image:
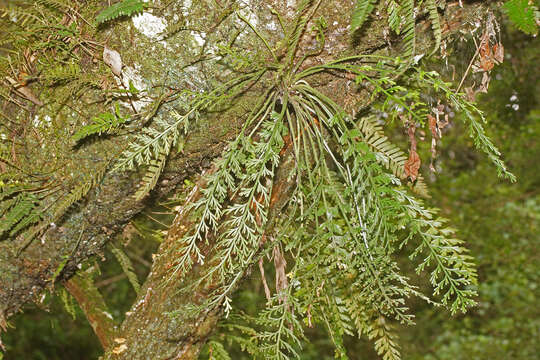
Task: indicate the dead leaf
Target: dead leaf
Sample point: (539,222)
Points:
(485,49)
(119,340)
(113,60)
(412,165)
(486,64)
(280,265)
(498,53)
(24,91)
(413,162)
(470,93)
(485,83)
(433,126)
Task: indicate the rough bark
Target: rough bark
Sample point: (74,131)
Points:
(148,331)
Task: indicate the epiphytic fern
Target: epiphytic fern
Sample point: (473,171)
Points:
(123,8)
(344,215)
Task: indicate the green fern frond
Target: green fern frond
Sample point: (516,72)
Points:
(409,28)
(62,74)
(523,14)
(431,6)
(362,10)
(124,8)
(151,176)
(152,142)
(217,351)
(23,17)
(385,339)
(22,209)
(127,267)
(473,116)
(68,302)
(453,274)
(282,332)
(103,123)
(304,13)
(55,4)
(394,17)
(76,194)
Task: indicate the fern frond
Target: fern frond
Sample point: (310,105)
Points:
(54,4)
(409,28)
(76,194)
(362,10)
(151,176)
(68,302)
(24,17)
(127,267)
(303,13)
(124,8)
(453,274)
(472,116)
(385,339)
(394,17)
(279,340)
(22,209)
(62,74)
(524,14)
(103,123)
(431,6)
(152,142)
(217,351)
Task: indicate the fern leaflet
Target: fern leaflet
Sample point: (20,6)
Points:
(124,8)
(127,267)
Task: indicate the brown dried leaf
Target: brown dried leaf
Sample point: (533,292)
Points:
(433,126)
(413,162)
(412,165)
(498,53)
(485,83)
(486,64)
(24,91)
(470,93)
(280,265)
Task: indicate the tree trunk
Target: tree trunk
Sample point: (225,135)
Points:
(149,330)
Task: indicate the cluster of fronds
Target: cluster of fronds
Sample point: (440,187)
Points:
(347,212)
(27,212)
